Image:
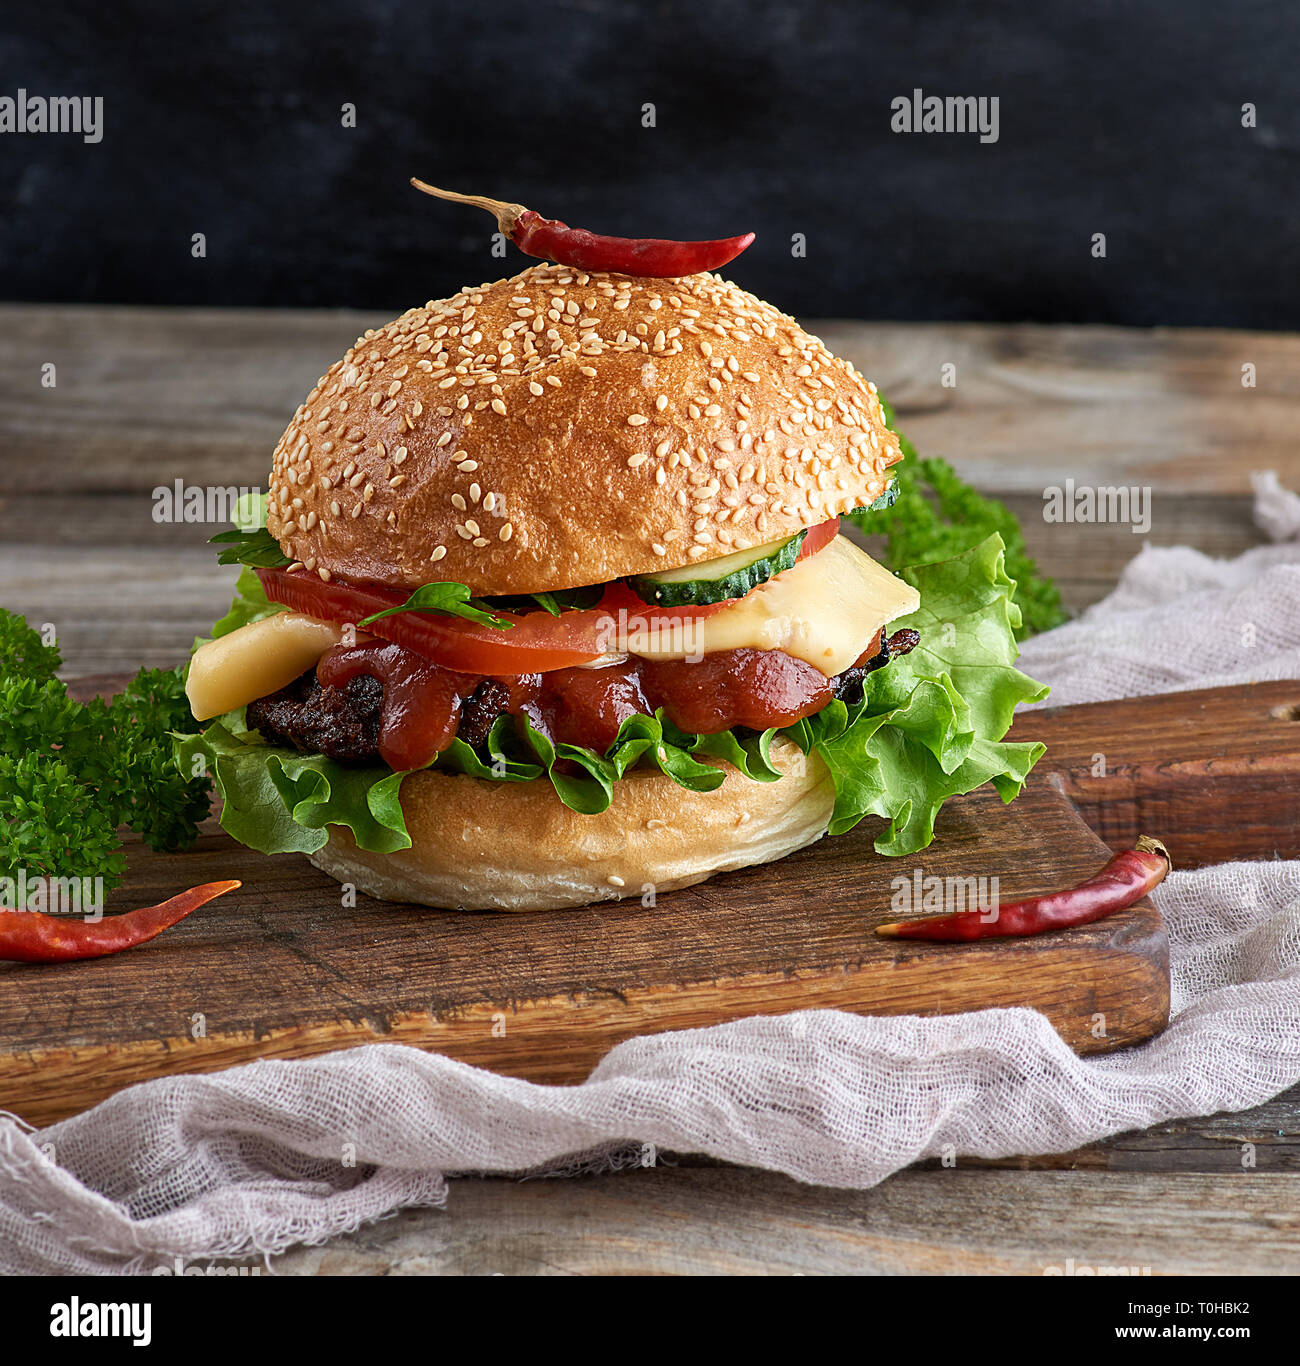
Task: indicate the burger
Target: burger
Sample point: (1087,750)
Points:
(549,601)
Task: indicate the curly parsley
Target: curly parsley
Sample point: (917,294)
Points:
(71,773)
(935,516)
(23,654)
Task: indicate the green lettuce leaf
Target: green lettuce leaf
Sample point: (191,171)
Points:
(929,726)
(280,801)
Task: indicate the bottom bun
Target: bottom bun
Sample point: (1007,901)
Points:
(481,845)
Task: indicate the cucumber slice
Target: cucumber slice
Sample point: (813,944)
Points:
(729,576)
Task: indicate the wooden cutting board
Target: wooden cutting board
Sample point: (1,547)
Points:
(280,969)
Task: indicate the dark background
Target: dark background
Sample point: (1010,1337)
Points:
(1122,118)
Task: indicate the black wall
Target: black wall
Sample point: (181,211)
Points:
(224,118)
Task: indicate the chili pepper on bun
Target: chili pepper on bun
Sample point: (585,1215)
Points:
(555,241)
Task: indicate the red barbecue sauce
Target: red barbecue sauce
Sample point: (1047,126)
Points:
(422,700)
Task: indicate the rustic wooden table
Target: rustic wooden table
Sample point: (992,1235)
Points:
(143,397)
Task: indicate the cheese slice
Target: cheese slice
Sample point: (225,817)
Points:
(257,659)
(824,610)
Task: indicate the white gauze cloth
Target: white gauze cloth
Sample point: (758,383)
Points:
(251,1160)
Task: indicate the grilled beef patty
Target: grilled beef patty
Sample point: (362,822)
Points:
(343,723)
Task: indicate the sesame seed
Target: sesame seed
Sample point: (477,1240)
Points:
(635,460)
(498,407)
(636,420)
(506,532)
(438,553)
(458,502)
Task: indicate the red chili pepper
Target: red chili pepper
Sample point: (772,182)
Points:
(1126,878)
(33,937)
(552,240)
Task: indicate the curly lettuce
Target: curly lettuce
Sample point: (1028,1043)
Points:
(929,726)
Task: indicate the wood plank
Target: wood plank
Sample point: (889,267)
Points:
(730,1221)
(1269,1134)
(117,609)
(1034,403)
(1217,524)
(146,394)
(125,591)
(282,969)
(1215,772)
(149,395)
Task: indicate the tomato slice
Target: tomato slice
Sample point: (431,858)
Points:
(819,537)
(535,642)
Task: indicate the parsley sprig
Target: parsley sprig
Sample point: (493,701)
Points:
(71,773)
(450,599)
(934,515)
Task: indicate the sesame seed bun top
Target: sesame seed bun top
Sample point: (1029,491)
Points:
(559,429)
